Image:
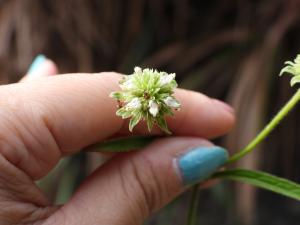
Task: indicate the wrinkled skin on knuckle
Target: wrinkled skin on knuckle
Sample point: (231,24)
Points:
(21,201)
(15,213)
(22,124)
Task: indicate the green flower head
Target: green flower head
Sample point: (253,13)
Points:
(147,94)
(292,68)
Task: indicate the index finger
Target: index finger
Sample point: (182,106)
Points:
(76,110)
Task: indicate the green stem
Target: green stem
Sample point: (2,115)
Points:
(268,128)
(192,213)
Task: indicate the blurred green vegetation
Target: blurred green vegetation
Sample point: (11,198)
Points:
(231,50)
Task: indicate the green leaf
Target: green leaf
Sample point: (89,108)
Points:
(262,180)
(121,144)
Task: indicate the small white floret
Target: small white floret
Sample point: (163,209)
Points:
(134,104)
(153,108)
(138,70)
(171,102)
(166,79)
(128,84)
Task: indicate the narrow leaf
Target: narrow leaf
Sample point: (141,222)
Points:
(121,144)
(262,180)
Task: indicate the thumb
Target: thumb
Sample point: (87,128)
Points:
(131,186)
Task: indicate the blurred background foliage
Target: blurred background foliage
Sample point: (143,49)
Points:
(230,50)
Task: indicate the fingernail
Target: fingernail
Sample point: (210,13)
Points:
(37,62)
(225,106)
(199,163)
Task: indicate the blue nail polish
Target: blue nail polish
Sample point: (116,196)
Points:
(199,163)
(39,60)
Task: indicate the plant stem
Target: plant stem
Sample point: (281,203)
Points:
(192,213)
(268,128)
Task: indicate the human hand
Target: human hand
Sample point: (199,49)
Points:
(44,119)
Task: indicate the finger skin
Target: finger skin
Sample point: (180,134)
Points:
(129,188)
(60,115)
